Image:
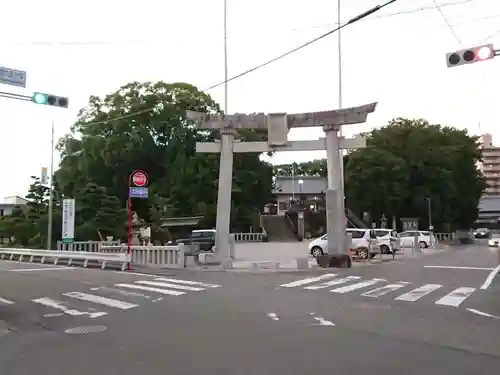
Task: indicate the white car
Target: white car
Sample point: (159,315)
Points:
(363,240)
(425,238)
(494,241)
(388,240)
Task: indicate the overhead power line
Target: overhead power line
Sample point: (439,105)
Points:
(307,44)
(350,22)
(438,7)
(143,42)
(484,40)
(400,13)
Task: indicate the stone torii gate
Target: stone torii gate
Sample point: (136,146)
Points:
(277,125)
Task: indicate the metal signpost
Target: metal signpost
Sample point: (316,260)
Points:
(411,224)
(68,221)
(12,77)
(277,125)
(137,188)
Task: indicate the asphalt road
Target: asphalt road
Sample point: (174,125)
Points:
(263,323)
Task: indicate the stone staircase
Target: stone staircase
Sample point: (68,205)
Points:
(278,228)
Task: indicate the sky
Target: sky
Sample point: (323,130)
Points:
(395,57)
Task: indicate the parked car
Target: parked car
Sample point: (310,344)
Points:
(204,238)
(482,233)
(318,246)
(363,240)
(388,240)
(425,238)
(494,241)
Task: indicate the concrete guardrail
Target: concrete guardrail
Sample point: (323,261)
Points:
(70,256)
(155,256)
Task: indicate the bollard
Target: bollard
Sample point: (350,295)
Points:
(416,244)
(232,245)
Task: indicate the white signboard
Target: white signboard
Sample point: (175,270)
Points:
(12,77)
(68,220)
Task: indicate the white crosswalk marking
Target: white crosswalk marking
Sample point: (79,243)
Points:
(330,283)
(101,300)
(418,293)
(5,301)
(170,285)
(350,288)
(354,283)
(375,293)
(456,297)
(58,305)
(188,282)
(151,289)
(111,296)
(309,280)
(121,292)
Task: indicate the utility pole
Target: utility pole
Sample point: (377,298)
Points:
(341,151)
(51,193)
(225,57)
(429,213)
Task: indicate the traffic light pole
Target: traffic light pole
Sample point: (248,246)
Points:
(51,192)
(10,95)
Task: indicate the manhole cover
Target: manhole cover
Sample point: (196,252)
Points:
(86,329)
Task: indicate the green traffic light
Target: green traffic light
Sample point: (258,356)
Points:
(39,98)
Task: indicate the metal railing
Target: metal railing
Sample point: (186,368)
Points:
(159,256)
(248,237)
(444,236)
(85,246)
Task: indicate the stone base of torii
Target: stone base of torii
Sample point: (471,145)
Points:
(277,125)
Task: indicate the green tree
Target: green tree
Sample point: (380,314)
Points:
(97,212)
(315,167)
(18,226)
(143,126)
(409,161)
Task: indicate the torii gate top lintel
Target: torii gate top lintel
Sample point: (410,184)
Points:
(345,116)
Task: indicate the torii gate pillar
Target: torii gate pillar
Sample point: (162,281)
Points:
(277,125)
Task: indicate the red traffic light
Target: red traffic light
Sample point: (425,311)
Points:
(470,55)
(484,52)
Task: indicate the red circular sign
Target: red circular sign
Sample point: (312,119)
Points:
(139,179)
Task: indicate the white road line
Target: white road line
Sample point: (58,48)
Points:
(150,289)
(323,321)
(309,280)
(135,273)
(273,316)
(330,283)
(58,305)
(122,292)
(418,293)
(483,314)
(170,285)
(350,288)
(41,269)
(384,290)
(456,297)
(461,268)
(490,278)
(188,282)
(6,301)
(101,300)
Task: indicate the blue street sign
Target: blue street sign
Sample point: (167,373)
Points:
(138,192)
(12,77)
